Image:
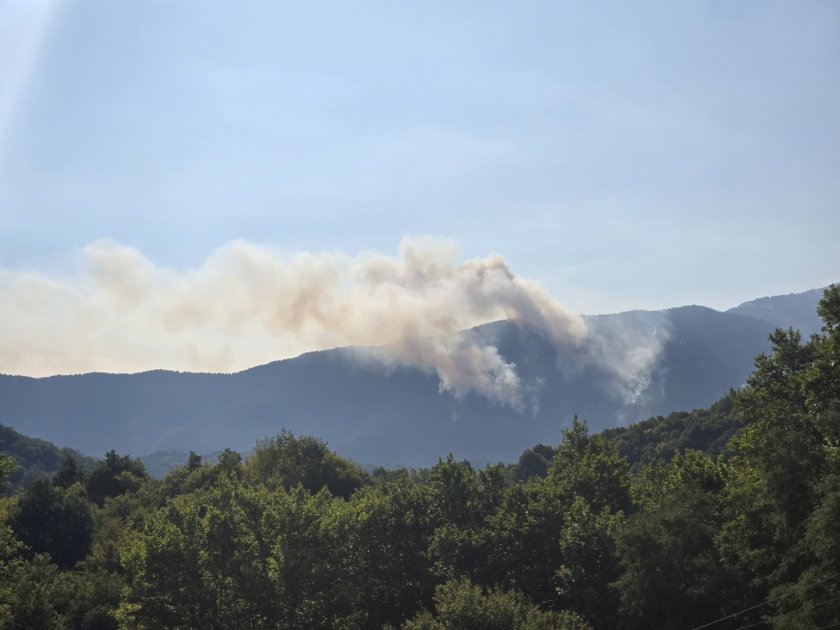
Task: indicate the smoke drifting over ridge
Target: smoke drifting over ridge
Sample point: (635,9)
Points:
(249,304)
(627,349)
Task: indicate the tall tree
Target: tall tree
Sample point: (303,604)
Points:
(52,520)
(115,475)
(285,461)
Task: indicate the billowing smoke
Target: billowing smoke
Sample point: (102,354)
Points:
(249,304)
(462,362)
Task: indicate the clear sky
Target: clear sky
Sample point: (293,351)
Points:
(624,155)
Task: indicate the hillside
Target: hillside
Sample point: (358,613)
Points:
(782,311)
(34,458)
(399,417)
(660,438)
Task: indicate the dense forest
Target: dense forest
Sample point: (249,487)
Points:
(721,518)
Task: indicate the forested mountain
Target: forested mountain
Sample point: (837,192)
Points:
(398,417)
(707,430)
(783,311)
(297,537)
(35,459)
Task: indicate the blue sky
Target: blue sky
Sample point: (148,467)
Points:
(624,155)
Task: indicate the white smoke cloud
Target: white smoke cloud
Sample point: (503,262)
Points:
(461,361)
(627,348)
(249,304)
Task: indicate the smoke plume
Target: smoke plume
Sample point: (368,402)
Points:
(249,304)
(627,348)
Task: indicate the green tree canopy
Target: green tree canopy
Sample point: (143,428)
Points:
(52,520)
(460,605)
(115,475)
(285,461)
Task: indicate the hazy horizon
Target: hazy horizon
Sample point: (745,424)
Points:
(616,158)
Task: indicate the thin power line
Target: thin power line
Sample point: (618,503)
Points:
(764,603)
(788,614)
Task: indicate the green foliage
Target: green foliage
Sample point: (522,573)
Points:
(176,582)
(70,472)
(661,438)
(460,605)
(193,461)
(590,563)
(654,482)
(7,466)
(114,476)
(230,464)
(672,575)
(463,503)
(182,480)
(534,462)
(782,475)
(589,467)
(32,598)
(40,596)
(285,461)
(238,556)
(10,560)
(33,458)
(55,521)
(390,536)
(456,492)
(521,547)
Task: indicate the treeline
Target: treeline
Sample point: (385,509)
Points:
(656,439)
(574,536)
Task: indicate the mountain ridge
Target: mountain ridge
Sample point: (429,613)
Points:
(398,416)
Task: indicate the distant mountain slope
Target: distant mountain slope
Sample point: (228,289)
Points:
(798,310)
(34,458)
(398,417)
